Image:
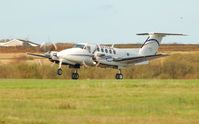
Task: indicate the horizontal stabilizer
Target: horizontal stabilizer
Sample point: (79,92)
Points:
(161,34)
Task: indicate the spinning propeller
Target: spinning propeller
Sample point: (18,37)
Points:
(50,51)
(97,56)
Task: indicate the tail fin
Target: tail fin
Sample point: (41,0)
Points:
(152,43)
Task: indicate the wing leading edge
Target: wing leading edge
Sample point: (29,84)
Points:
(38,55)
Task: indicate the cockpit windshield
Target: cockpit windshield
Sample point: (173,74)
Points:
(79,46)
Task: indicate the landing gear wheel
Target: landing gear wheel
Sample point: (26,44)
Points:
(59,71)
(119,76)
(75,76)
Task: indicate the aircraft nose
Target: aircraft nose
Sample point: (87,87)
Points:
(60,55)
(63,54)
(68,53)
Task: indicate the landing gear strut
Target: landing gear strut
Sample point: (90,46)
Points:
(75,75)
(119,75)
(59,70)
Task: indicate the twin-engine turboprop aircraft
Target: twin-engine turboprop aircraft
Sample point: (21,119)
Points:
(84,54)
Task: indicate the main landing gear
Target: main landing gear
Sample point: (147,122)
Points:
(75,75)
(119,75)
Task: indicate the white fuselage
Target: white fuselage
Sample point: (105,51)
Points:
(82,54)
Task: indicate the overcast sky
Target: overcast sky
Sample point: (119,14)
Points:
(94,21)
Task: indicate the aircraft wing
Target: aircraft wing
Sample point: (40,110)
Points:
(132,60)
(39,55)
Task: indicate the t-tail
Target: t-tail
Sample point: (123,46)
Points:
(152,43)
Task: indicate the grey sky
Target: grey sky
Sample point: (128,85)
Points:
(93,21)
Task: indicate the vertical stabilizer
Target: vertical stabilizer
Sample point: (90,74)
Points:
(152,43)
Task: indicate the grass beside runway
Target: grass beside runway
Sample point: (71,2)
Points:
(99,101)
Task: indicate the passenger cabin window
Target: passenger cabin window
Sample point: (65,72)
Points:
(114,52)
(106,50)
(110,51)
(79,46)
(127,54)
(102,49)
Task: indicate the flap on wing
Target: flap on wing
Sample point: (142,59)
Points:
(139,58)
(38,55)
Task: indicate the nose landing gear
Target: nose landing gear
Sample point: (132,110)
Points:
(59,71)
(74,75)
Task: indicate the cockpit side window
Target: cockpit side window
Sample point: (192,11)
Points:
(102,50)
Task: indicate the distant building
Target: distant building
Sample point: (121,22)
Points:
(18,42)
